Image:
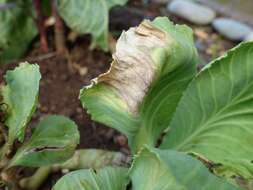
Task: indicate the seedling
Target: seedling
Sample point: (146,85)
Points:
(52,141)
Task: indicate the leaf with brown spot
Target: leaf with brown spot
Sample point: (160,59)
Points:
(151,67)
(53,141)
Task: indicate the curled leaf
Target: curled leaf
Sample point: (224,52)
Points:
(133,68)
(152,65)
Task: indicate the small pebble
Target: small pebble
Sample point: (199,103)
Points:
(50,21)
(200,45)
(65,171)
(201,34)
(83,71)
(193,12)
(231,29)
(249,38)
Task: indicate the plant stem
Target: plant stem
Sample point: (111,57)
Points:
(3,134)
(82,159)
(58,30)
(36,180)
(92,158)
(9,178)
(5,154)
(40,24)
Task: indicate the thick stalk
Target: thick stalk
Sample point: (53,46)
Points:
(40,25)
(58,29)
(92,158)
(82,159)
(3,134)
(36,180)
(6,151)
(8,176)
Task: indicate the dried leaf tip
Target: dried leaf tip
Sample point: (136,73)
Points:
(133,68)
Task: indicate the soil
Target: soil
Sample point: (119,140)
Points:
(60,85)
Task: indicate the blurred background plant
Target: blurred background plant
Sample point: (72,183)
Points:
(22,20)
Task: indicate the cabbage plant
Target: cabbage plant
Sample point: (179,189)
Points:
(186,129)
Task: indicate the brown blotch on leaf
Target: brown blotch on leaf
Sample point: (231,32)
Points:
(133,68)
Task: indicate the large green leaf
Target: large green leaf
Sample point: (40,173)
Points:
(214,118)
(89,17)
(53,141)
(20,94)
(109,178)
(166,169)
(152,66)
(17,29)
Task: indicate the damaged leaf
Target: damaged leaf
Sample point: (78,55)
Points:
(53,141)
(20,95)
(168,169)
(108,178)
(151,67)
(214,117)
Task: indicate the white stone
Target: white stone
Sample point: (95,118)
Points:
(193,12)
(249,38)
(231,29)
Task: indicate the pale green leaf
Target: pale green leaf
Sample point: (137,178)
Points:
(89,17)
(112,3)
(53,141)
(152,66)
(155,169)
(20,94)
(214,117)
(93,158)
(17,29)
(109,178)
